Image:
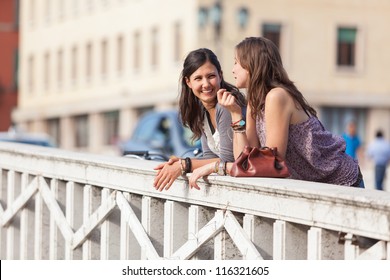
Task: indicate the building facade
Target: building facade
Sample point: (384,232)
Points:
(90,68)
(9,37)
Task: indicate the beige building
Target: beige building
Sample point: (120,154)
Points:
(90,68)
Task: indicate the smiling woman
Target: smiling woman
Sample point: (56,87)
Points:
(200,80)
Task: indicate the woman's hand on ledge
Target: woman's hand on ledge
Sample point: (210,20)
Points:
(167,173)
(200,172)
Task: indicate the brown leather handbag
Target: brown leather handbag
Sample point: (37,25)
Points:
(259,162)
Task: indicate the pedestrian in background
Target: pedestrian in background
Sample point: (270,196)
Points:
(379,152)
(352,139)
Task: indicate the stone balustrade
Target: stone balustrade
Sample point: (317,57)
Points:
(56,204)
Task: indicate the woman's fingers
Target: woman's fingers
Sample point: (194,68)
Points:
(161,166)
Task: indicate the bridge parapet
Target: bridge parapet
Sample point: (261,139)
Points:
(57,204)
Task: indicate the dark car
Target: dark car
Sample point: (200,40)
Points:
(158,135)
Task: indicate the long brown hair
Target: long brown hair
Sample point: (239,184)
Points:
(190,107)
(261,58)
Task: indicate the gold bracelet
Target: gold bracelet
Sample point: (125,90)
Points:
(216,167)
(183,171)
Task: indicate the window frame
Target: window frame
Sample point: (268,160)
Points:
(359,49)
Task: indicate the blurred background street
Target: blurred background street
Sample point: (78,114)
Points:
(84,72)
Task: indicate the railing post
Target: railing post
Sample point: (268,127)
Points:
(125,234)
(175,226)
(53,254)
(91,201)
(153,223)
(314,244)
(87,211)
(105,231)
(219,240)
(24,222)
(69,217)
(11,228)
(351,251)
(279,243)
(38,227)
(198,217)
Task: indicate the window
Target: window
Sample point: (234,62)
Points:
(137,51)
(75,7)
(53,129)
(111,123)
(46,71)
(104,3)
(61,10)
(31,14)
(47,11)
(88,63)
(242,17)
(154,54)
(81,131)
(31,78)
(16,14)
(60,73)
(178,42)
(336,118)
(272,32)
(119,62)
(15,80)
(103,69)
(202,16)
(346,46)
(90,5)
(74,65)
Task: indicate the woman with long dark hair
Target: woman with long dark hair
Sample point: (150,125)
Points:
(200,80)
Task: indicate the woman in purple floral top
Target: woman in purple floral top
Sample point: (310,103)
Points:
(279,116)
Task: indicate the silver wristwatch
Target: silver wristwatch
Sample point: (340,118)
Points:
(221,168)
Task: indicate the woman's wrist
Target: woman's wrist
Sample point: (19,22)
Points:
(220,167)
(228,167)
(185,165)
(236,116)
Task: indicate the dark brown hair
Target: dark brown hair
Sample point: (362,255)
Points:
(261,58)
(191,109)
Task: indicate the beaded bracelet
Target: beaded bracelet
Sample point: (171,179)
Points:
(238,123)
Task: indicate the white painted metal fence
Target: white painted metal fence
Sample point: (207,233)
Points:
(57,204)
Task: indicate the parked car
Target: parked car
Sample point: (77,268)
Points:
(158,135)
(39,139)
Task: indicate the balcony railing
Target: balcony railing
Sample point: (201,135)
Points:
(58,204)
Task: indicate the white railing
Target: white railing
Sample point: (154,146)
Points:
(57,204)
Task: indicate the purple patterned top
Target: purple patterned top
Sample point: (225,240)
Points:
(314,154)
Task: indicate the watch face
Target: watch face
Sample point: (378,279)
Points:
(241,123)
(220,168)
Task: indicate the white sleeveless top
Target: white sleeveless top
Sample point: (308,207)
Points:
(213,140)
